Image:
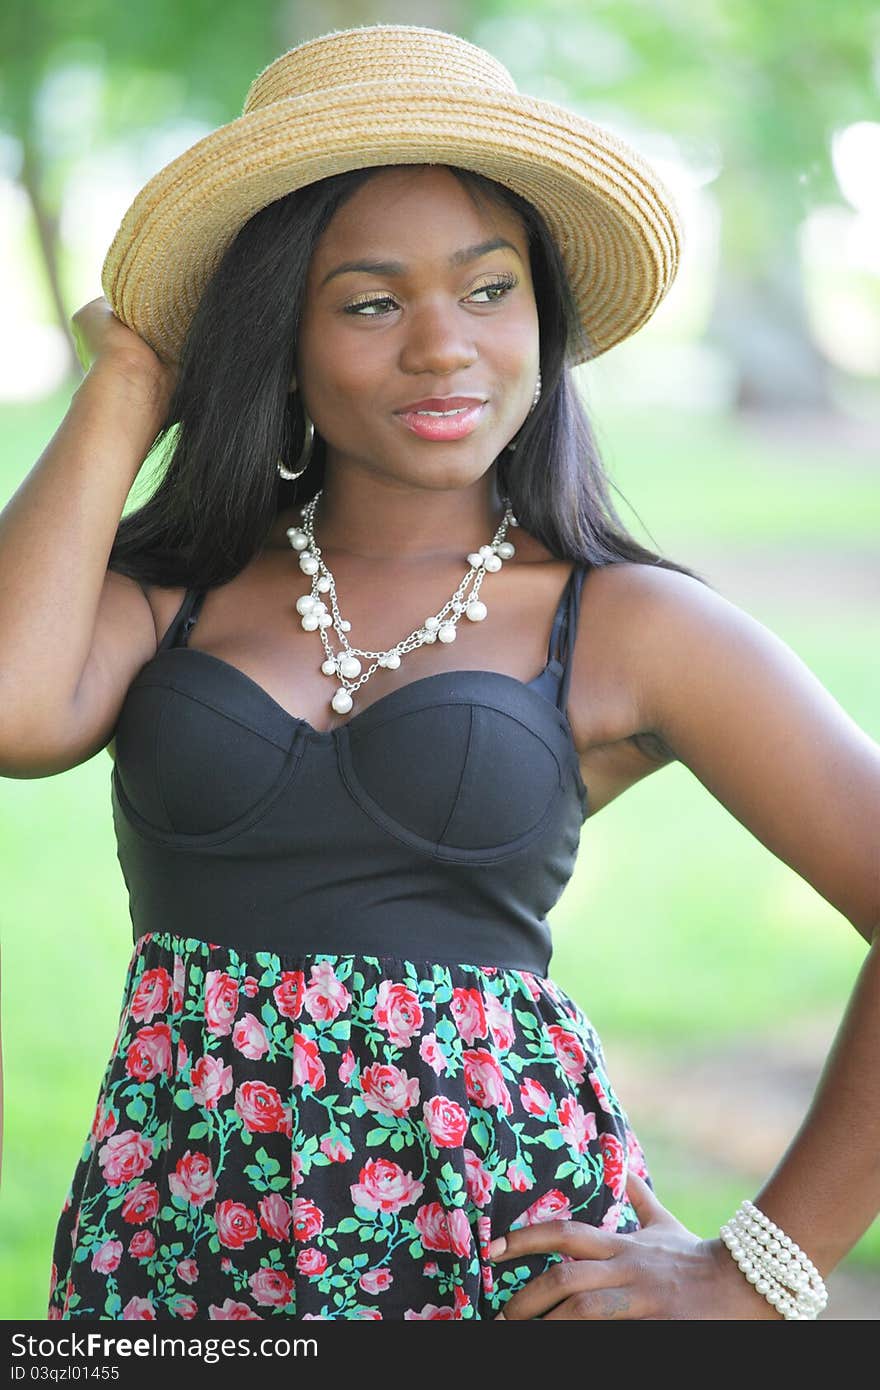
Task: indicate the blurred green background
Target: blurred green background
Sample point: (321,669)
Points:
(741,427)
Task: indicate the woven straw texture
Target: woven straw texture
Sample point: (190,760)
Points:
(398,94)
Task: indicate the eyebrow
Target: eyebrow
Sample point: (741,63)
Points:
(461,257)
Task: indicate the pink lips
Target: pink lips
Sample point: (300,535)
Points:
(443,427)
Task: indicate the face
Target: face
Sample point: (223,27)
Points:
(436,323)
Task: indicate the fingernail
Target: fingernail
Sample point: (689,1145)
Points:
(496,1247)
(500,1315)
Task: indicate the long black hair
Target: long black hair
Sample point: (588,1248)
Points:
(232,416)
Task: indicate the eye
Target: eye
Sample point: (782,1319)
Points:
(497,289)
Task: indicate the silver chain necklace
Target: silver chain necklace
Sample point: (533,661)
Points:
(346,664)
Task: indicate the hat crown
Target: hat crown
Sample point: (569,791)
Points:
(377,53)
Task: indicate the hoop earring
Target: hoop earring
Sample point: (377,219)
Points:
(537,396)
(305,454)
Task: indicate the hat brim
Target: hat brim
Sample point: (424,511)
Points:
(614,222)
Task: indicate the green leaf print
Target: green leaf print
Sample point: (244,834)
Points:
(136,1109)
(184,1100)
(198,1131)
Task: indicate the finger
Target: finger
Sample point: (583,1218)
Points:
(602,1305)
(573,1238)
(559,1283)
(646,1204)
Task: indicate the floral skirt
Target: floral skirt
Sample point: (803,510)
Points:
(333,1136)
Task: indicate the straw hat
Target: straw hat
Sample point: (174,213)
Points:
(397,94)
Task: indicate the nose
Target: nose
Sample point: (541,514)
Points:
(438,341)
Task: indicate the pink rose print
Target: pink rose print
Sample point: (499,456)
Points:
(535,1099)
(376,1280)
(188,1271)
(251,986)
(615,1165)
(249,1037)
(500,1022)
(467,1010)
(572,1057)
(271,1288)
(384,1186)
(611,1220)
(635,1156)
(236,1224)
(142,1245)
(326,997)
(388,1090)
(578,1125)
(308,1220)
(221,1002)
(346,1066)
(443,1228)
(275,1216)
(446,1121)
(430,1052)
(479,1180)
(151,995)
(104,1124)
(531,984)
(430,1312)
(184,1306)
(193,1179)
(125,1156)
(483,1080)
(399,1012)
(139,1310)
(178,985)
(260,1107)
(210,1081)
(182,1055)
(601,1093)
(311,1261)
(296,1170)
(234,1312)
(288,995)
(149,1054)
(336,1149)
(104,1260)
(308,1069)
(141,1203)
(553,1206)
(519,1179)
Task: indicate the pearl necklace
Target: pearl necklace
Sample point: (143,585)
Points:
(437,627)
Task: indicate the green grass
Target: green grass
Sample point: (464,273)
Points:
(678,927)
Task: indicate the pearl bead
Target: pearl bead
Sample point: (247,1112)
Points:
(308,564)
(349,666)
(305,604)
(447,633)
(493,563)
(342,702)
(324,583)
(329,667)
(298,539)
(345,625)
(309,622)
(432,624)
(513,521)
(392,661)
(486,551)
(475,560)
(476,610)
(430,637)
(506,550)
(325,619)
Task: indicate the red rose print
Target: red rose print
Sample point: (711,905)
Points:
(571,1055)
(430,1312)
(553,1206)
(376,1280)
(615,1164)
(519,1179)
(311,1261)
(141,1203)
(483,1080)
(535,1099)
(235,1312)
(236,1224)
(399,1012)
(578,1125)
(346,1066)
(288,995)
(210,1081)
(388,1090)
(139,1310)
(337,1150)
(271,1287)
(151,996)
(150,1053)
(251,986)
(479,1180)
(104,1124)
(221,1002)
(142,1245)
(470,1017)
(601,1094)
(308,1220)
(193,1179)
(308,1069)
(384,1186)
(125,1156)
(275,1216)
(104,1260)
(442,1228)
(260,1107)
(188,1271)
(500,1022)
(446,1121)
(184,1307)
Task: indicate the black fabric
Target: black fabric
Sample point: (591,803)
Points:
(442,821)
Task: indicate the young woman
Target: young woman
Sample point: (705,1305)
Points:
(342,1068)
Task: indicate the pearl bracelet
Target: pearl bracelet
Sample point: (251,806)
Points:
(774,1264)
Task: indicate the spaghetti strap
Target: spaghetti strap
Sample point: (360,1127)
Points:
(186,615)
(569,633)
